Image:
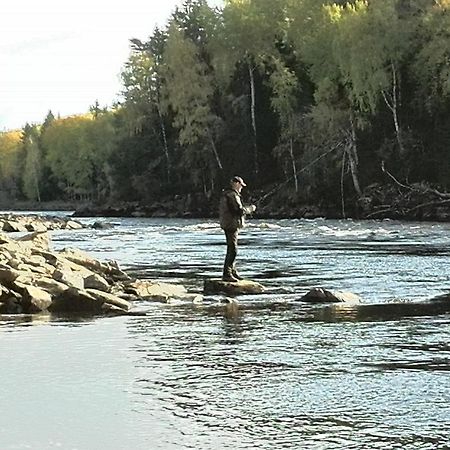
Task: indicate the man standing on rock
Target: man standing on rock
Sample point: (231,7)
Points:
(232,216)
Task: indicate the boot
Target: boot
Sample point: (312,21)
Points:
(236,275)
(228,276)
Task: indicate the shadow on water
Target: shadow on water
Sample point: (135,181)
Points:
(376,312)
(13,322)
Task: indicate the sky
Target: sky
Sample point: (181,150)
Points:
(63,55)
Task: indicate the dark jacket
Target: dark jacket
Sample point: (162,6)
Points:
(231,210)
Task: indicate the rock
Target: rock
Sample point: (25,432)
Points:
(72,279)
(37,239)
(34,299)
(110,299)
(72,225)
(321,295)
(87,301)
(95,281)
(101,225)
(76,301)
(8,274)
(83,259)
(50,257)
(11,226)
(155,291)
(217,286)
(50,285)
(35,279)
(11,305)
(36,226)
(195,299)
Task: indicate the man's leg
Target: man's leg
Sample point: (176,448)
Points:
(231,237)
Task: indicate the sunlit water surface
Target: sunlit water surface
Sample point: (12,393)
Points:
(272,374)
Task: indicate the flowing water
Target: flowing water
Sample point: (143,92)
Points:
(273,373)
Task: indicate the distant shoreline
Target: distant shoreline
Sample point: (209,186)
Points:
(190,209)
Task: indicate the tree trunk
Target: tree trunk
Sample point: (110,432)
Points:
(294,166)
(344,153)
(164,136)
(392,103)
(253,115)
(352,153)
(214,149)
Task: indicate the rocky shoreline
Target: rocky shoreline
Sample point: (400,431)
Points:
(11,223)
(34,279)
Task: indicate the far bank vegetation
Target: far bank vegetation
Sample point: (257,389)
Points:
(331,100)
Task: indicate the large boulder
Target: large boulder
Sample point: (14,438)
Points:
(88,301)
(34,299)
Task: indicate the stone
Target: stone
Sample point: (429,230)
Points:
(11,226)
(69,277)
(50,285)
(101,225)
(218,286)
(155,291)
(8,274)
(76,301)
(35,299)
(72,225)
(95,281)
(321,295)
(37,239)
(110,299)
(36,226)
(87,301)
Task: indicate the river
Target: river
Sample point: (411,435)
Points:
(272,374)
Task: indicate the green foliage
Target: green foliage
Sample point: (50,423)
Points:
(330,88)
(77,151)
(432,63)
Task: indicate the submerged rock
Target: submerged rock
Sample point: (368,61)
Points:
(218,286)
(321,295)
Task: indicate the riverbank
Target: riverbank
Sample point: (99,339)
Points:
(409,203)
(415,202)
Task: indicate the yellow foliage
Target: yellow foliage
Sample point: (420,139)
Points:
(10,144)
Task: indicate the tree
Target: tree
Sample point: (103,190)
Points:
(142,82)
(374,44)
(431,65)
(78,149)
(247,34)
(32,170)
(10,175)
(187,92)
(284,101)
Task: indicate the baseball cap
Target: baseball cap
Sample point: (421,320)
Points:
(237,179)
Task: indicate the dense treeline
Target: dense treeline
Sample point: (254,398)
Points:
(317,97)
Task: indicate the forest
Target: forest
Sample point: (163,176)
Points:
(338,106)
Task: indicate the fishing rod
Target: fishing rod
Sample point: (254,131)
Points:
(339,144)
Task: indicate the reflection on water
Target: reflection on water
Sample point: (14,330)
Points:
(265,371)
